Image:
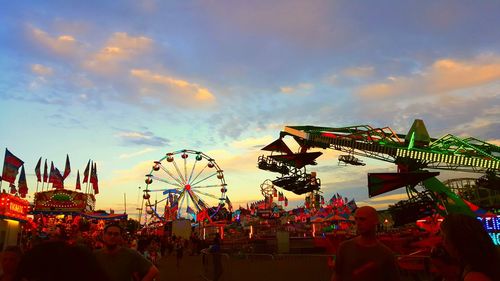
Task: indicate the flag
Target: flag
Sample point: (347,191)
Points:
(37,170)
(275,192)
(286,201)
(86,173)
(11,165)
(78,186)
(22,184)
(51,175)
(58,180)
(67,168)
(352,205)
(45,173)
(281,197)
(174,206)
(93,178)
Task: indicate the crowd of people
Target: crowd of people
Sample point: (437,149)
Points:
(465,253)
(68,251)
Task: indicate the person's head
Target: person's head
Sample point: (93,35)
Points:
(112,236)
(366,219)
(58,261)
(11,257)
(465,239)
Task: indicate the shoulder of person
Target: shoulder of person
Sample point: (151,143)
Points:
(476,276)
(98,251)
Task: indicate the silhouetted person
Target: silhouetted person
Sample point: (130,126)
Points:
(122,263)
(364,257)
(58,261)
(465,239)
(179,251)
(11,257)
(215,250)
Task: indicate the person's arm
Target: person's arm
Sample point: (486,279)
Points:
(476,276)
(152,272)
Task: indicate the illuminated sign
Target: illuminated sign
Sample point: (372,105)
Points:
(492,226)
(16,208)
(13,207)
(495,237)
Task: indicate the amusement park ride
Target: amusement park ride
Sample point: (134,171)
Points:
(195,183)
(413,154)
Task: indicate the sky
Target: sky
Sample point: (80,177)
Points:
(125,82)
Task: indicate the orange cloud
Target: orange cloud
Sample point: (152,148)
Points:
(119,48)
(444,75)
(41,70)
(178,86)
(300,88)
(64,45)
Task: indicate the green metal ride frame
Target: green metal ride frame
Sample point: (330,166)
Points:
(412,152)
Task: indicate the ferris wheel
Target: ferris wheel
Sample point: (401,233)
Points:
(184,184)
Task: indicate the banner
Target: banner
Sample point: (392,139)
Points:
(93,179)
(86,173)
(11,165)
(58,181)
(37,170)
(67,168)
(379,183)
(78,186)
(45,173)
(22,184)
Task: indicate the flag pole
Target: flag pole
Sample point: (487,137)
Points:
(125,201)
(88,178)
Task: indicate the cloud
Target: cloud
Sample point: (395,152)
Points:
(41,70)
(142,138)
(136,153)
(183,90)
(253,143)
(443,76)
(63,45)
(301,88)
(359,71)
(120,48)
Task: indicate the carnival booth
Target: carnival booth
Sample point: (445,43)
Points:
(13,214)
(63,201)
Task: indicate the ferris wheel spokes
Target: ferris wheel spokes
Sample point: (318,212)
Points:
(199,173)
(202,180)
(208,194)
(195,200)
(207,186)
(194,166)
(170,174)
(164,180)
(179,172)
